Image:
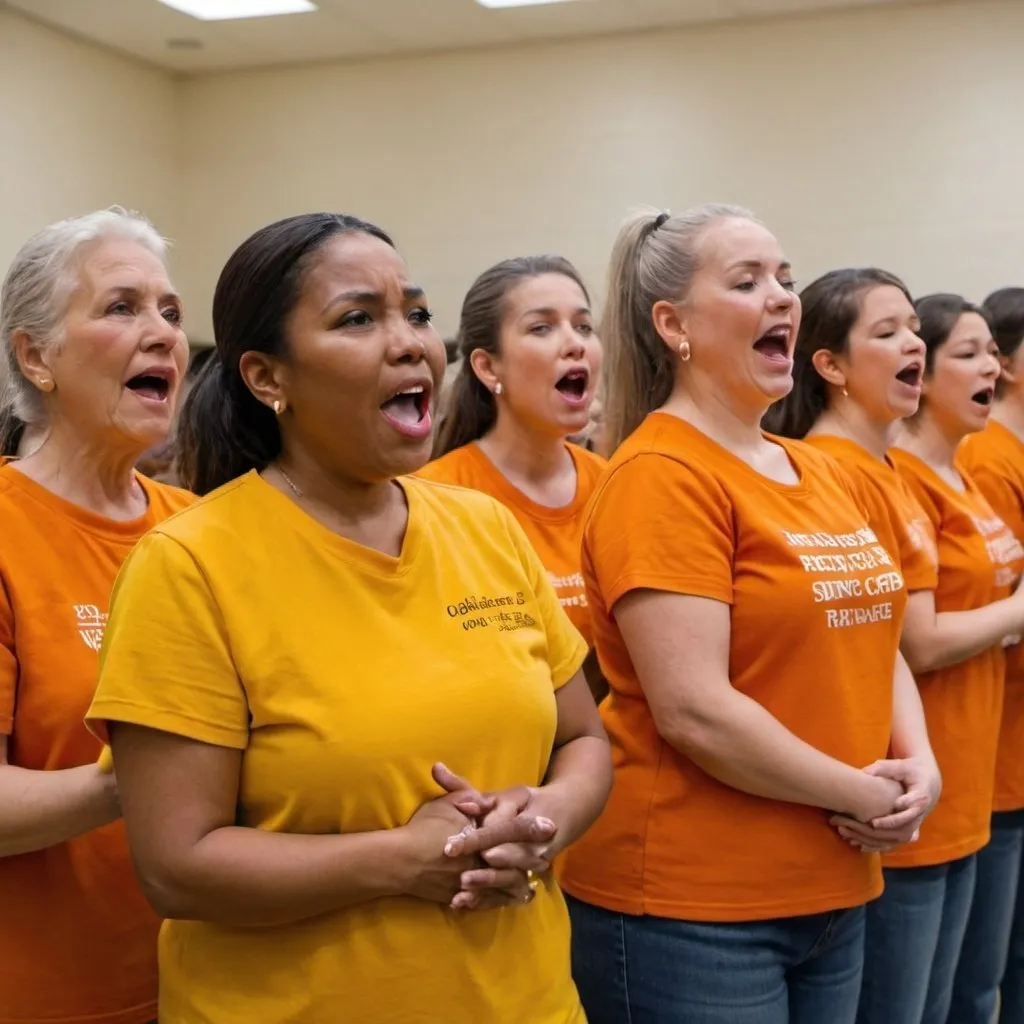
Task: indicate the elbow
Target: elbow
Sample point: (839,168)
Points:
(171,901)
(696,732)
(921,658)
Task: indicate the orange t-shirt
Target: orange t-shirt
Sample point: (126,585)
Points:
(817,605)
(77,938)
(555,533)
(893,512)
(979,558)
(995,459)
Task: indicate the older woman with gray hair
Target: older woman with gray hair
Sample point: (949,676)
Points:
(91,332)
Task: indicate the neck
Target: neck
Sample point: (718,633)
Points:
(522,453)
(705,409)
(87,472)
(1009,411)
(853,423)
(929,442)
(350,501)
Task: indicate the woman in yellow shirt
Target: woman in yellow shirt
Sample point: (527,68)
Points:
(288,665)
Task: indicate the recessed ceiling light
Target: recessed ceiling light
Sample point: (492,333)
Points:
(517,3)
(226,10)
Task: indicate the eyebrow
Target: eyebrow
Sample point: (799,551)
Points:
(410,294)
(551,311)
(130,289)
(757,265)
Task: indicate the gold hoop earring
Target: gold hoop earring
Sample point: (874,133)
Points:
(498,389)
(278,407)
(684,351)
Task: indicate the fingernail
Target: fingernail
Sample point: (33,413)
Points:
(545,823)
(449,848)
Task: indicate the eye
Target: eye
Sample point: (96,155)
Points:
(172,315)
(540,329)
(119,308)
(746,286)
(421,317)
(887,334)
(788,283)
(357,318)
(586,328)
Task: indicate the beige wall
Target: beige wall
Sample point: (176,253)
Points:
(886,135)
(81,128)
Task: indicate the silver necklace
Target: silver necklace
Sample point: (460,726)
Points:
(288,480)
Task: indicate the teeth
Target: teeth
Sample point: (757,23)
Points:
(416,389)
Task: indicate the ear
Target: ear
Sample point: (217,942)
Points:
(264,377)
(32,360)
(486,367)
(670,324)
(830,367)
(1006,371)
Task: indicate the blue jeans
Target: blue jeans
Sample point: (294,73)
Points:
(915,931)
(987,941)
(652,970)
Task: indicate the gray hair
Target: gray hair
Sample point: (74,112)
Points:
(654,259)
(35,296)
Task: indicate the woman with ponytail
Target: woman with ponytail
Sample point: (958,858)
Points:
(293,661)
(530,365)
(864,357)
(747,619)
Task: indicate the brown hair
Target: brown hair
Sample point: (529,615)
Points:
(654,258)
(470,410)
(831,307)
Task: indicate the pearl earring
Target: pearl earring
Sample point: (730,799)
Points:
(684,351)
(278,407)
(498,389)
(45,384)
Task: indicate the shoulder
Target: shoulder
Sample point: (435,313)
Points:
(195,523)
(166,498)
(456,467)
(454,503)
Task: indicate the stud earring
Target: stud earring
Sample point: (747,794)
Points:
(846,394)
(278,407)
(684,351)
(45,384)
(498,389)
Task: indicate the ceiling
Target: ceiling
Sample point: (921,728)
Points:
(359,29)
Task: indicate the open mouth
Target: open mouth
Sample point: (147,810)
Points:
(984,397)
(774,344)
(408,410)
(152,386)
(573,386)
(911,375)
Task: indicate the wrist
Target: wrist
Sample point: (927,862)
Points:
(399,862)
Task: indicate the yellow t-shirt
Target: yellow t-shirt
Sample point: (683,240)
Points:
(344,674)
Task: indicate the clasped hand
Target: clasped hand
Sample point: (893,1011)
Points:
(921,785)
(492,848)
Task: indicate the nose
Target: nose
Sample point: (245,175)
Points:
(779,297)
(572,343)
(159,333)
(406,343)
(993,368)
(913,345)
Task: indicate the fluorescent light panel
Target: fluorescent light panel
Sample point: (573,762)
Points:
(494,4)
(228,10)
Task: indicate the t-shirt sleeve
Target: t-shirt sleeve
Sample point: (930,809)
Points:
(8,664)
(999,493)
(166,661)
(661,525)
(567,649)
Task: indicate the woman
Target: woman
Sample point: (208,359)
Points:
(313,639)
(747,619)
(994,458)
(859,370)
(960,676)
(95,352)
(530,363)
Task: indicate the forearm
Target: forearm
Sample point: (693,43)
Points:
(739,743)
(247,877)
(909,730)
(40,809)
(577,786)
(956,636)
